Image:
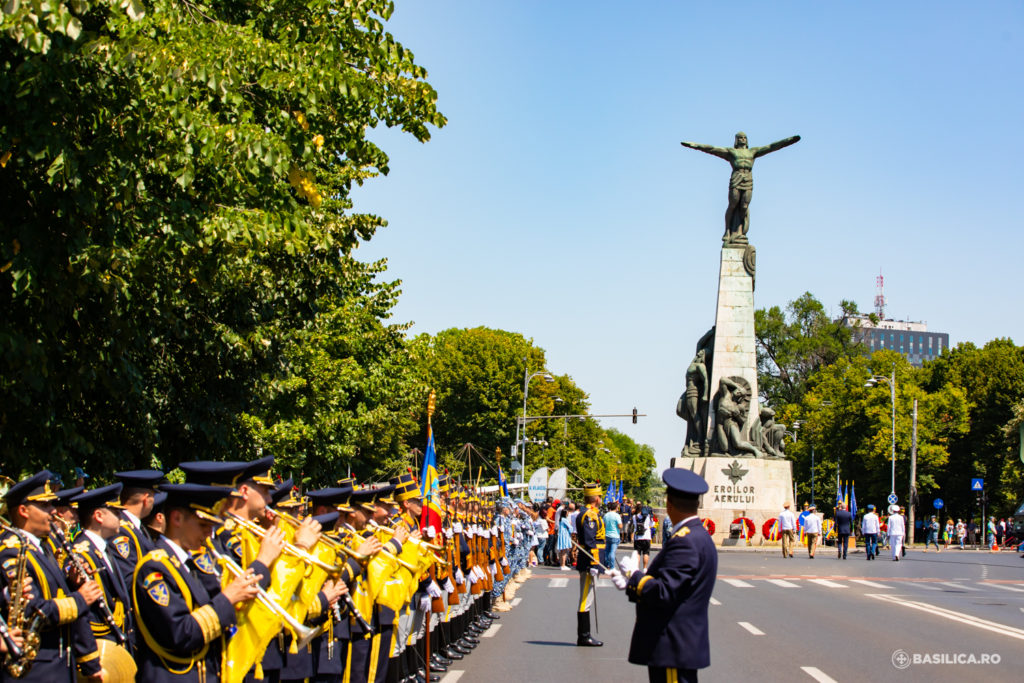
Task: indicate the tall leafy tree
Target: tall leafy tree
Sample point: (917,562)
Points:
(175,246)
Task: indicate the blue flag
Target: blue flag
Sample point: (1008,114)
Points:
(501,482)
(620,492)
(839,494)
(609,495)
(853,501)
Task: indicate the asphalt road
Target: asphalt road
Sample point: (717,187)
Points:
(780,619)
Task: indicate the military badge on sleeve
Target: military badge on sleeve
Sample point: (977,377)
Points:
(121,546)
(155,585)
(11,567)
(204,563)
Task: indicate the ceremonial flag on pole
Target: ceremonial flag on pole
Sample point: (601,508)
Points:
(501,481)
(609,495)
(430,487)
(620,492)
(853,501)
(839,493)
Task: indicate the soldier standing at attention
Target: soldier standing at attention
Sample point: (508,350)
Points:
(670,637)
(589,528)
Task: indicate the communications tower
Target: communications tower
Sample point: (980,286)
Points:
(880,296)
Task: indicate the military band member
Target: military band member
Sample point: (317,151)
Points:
(155,523)
(589,528)
(180,623)
(66,641)
(100,523)
(671,632)
(132,542)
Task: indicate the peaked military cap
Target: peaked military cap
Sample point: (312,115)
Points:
(259,471)
(335,496)
(328,519)
(362,498)
(106,496)
(199,497)
(282,491)
(140,479)
(214,472)
(64,496)
(684,482)
(592,489)
(35,489)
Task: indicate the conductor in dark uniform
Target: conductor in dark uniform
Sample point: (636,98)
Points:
(589,531)
(671,633)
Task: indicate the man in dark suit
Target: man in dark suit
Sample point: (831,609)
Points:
(844,527)
(671,632)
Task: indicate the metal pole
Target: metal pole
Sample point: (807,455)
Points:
(912,493)
(892,396)
(812,475)
(526,388)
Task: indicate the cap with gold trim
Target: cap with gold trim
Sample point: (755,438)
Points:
(35,489)
(443,483)
(104,497)
(406,487)
(282,491)
(64,496)
(140,479)
(592,489)
(199,497)
(335,496)
(230,473)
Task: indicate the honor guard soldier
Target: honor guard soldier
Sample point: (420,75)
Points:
(589,528)
(132,542)
(670,637)
(109,617)
(65,639)
(180,623)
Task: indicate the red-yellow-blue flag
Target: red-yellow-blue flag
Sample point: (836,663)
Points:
(430,487)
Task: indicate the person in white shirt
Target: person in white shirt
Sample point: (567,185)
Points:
(787,529)
(869,528)
(897,530)
(812,529)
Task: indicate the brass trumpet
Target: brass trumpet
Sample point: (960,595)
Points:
(334,570)
(420,542)
(303,634)
(334,545)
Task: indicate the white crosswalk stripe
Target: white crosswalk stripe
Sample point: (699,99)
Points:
(817,674)
(716,602)
(738,583)
(869,584)
(750,627)
(827,583)
(452,676)
(961,586)
(558,583)
(1004,587)
(783,583)
(604,583)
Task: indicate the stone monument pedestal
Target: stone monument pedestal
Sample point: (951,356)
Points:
(755,488)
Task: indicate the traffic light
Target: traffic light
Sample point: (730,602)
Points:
(634,415)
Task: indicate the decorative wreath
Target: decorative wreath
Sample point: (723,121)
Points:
(770,530)
(709,525)
(748,523)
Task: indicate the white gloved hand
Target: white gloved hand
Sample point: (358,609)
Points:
(618,580)
(594,571)
(469,532)
(460,578)
(630,564)
(449,586)
(486,533)
(472,578)
(457,527)
(431,532)
(494,529)
(433,590)
(504,562)
(448,533)
(425,603)
(493,569)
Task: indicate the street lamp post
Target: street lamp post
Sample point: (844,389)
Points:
(526,390)
(875,379)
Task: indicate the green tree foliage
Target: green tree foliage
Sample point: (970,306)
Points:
(176,277)
(794,344)
(478,377)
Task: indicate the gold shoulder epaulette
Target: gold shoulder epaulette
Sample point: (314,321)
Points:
(682,532)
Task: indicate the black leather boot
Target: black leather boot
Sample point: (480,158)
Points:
(583,638)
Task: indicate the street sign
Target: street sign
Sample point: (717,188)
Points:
(892,499)
(977,484)
(938,503)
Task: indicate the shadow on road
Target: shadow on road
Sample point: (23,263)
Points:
(552,643)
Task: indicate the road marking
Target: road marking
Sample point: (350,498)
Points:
(738,583)
(817,674)
(716,602)
(783,583)
(604,583)
(1005,588)
(558,583)
(960,586)
(922,585)
(1001,629)
(865,582)
(750,627)
(828,584)
(515,602)
(489,633)
(452,676)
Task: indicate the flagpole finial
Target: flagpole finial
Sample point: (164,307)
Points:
(431,405)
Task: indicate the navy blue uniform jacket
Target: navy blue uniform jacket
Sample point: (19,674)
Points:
(844,522)
(672,602)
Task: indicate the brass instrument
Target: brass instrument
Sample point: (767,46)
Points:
(303,634)
(334,545)
(420,542)
(290,548)
(17,665)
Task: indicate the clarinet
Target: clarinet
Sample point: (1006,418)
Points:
(84,572)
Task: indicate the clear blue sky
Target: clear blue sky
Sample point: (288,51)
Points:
(558,203)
